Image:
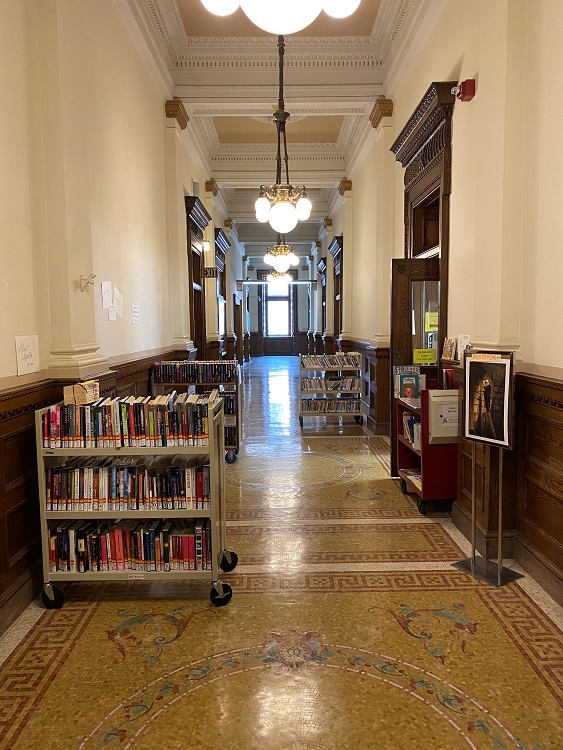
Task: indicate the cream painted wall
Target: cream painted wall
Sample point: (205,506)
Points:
(23,299)
(118,117)
(542,339)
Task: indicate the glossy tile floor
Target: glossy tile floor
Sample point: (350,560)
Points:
(348,627)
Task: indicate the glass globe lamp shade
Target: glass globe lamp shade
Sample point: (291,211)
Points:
(262,217)
(293,259)
(221,7)
(262,205)
(283,217)
(340,8)
(269,259)
(303,208)
(281,263)
(281,18)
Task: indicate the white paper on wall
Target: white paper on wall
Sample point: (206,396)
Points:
(107,294)
(118,301)
(27,354)
(111,313)
(135,313)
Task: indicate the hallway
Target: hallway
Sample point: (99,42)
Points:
(348,627)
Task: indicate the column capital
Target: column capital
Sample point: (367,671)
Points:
(228,223)
(327,222)
(382,108)
(345,186)
(175,109)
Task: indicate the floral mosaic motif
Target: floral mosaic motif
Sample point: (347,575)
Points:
(438,629)
(290,653)
(294,651)
(149,633)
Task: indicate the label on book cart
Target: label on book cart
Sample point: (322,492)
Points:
(136,576)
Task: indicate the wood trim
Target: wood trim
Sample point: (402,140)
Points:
(382,108)
(174,108)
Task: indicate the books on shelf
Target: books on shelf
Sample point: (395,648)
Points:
(168,420)
(189,371)
(414,476)
(408,381)
(330,406)
(118,484)
(410,420)
(149,545)
(330,385)
(348,360)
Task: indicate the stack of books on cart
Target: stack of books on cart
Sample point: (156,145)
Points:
(350,360)
(158,546)
(168,420)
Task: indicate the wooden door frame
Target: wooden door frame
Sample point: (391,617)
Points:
(403,272)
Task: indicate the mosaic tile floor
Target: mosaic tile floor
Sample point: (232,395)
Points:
(348,627)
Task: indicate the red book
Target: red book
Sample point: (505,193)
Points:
(199,489)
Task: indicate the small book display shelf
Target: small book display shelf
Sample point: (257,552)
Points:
(122,502)
(201,377)
(427,469)
(330,385)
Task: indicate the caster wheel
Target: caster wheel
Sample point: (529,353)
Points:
(236,451)
(228,561)
(422,507)
(403,487)
(230,457)
(55,603)
(301,421)
(217,599)
(358,419)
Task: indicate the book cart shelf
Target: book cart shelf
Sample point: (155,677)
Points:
(430,472)
(330,385)
(213,516)
(200,377)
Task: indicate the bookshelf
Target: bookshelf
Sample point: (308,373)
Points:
(330,385)
(201,377)
(427,469)
(113,511)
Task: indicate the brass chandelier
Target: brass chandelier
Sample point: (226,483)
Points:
(281,256)
(282,204)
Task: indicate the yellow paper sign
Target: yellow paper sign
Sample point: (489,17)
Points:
(430,321)
(424,356)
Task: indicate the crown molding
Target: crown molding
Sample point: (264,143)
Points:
(174,108)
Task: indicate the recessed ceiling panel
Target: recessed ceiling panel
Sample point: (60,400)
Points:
(312,129)
(199,22)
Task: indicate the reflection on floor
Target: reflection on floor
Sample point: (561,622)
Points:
(348,627)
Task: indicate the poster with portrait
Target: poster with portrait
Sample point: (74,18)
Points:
(488,397)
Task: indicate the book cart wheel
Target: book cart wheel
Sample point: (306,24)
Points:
(52,597)
(220,594)
(301,421)
(422,507)
(231,456)
(403,487)
(359,419)
(228,561)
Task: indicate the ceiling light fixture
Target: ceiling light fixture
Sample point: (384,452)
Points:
(282,204)
(283,18)
(281,256)
(278,277)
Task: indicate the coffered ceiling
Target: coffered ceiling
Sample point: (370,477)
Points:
(225,70)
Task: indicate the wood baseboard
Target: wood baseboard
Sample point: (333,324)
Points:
(485,542)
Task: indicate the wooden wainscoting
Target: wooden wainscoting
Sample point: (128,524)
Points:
(300,343)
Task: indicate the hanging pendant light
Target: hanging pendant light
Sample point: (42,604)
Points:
(221,7)
(281,256)
(282,204)
(340,8)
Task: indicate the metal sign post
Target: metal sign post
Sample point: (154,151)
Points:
(488,419)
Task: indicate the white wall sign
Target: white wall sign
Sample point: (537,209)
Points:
(107,294)
(27,354)
(135,313)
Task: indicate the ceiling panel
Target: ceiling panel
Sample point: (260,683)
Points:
(199,22)
(311,129)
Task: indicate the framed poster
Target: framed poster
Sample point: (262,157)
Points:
(488,398)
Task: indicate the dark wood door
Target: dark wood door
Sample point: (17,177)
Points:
(238,327)
(407,277)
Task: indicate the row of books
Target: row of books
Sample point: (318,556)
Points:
(185,371)
(117,486)
(328,406)
(157,546)
(229,401)
(412,429)
(323,361)
(231,435)
(143,421)
(323,384)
